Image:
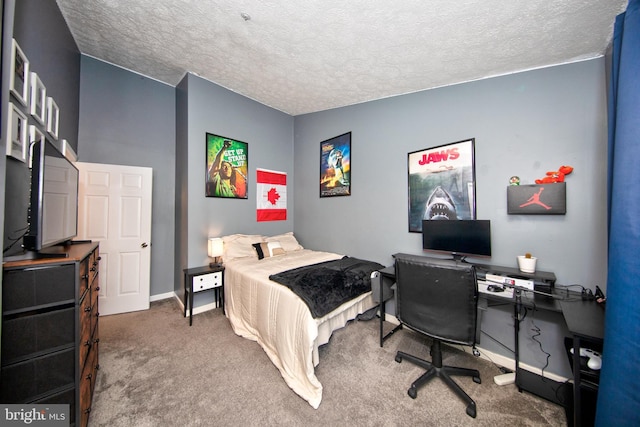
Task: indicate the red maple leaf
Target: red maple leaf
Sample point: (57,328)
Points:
(272,196)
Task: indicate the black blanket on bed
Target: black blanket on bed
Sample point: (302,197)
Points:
(327,285)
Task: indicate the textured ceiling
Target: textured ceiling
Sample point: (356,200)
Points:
(311,55)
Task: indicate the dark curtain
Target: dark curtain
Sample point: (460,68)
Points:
(619,392)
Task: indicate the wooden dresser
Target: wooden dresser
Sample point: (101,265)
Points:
(50,330)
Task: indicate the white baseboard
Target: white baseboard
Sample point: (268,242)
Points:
(197,310)
(498,359)
(160,297)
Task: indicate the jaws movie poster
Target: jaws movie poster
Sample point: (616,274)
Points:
(442,184)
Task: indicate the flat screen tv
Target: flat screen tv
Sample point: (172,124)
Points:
(458,237)
(53,208)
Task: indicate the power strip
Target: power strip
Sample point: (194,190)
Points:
(505,379)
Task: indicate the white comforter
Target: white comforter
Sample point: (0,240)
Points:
(271,314)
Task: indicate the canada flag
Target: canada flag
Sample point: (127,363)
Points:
(272,195)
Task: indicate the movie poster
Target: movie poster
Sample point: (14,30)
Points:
(442,184)
(227,165)
(335,166)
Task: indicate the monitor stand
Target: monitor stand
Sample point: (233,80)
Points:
(458,258)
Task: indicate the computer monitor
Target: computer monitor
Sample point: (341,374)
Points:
(459,238)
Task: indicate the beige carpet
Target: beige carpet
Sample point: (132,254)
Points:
(155,370)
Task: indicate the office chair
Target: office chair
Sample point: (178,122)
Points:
(438,298)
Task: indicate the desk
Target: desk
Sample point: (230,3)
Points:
(585,320)
(383,280)
(570,304)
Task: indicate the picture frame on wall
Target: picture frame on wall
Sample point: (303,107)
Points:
(442,183)
(335,166)
(227,164)
(17,133)
(19,78)
(53,117)
(38,98)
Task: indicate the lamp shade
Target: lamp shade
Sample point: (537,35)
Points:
(215,247)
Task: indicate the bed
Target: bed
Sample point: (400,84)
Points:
(271,314)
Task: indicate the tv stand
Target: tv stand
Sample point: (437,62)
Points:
(78,242)
(51,254)
(48,253)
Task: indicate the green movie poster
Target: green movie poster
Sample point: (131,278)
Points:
(227,167)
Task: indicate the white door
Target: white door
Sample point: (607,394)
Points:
(114,208)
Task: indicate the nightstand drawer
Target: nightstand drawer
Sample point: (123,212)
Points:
(207,281)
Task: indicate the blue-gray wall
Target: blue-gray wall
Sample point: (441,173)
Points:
(269,134)
(54,56)
(524,124)
(128,119)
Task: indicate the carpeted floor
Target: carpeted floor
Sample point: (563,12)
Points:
(155,370)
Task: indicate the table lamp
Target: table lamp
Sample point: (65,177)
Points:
(215,250)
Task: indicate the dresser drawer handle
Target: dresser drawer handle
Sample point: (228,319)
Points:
(96,341)
(93,268)
(87,343)
(87,309)
(88,377)
(85,277)
(97,288)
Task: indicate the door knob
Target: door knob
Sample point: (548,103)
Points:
(144,245)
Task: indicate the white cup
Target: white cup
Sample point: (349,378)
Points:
(527,265)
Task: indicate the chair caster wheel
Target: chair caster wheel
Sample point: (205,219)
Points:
(398,359)
(471,410)
(412,392)
(477,380)
(476,352)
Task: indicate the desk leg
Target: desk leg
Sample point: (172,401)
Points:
(516,321)
(577,410)
(383,314)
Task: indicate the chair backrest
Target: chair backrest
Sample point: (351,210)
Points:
(437,297)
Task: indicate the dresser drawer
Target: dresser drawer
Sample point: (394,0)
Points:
(207,281)
(34,377)
(30,335)
(22,289)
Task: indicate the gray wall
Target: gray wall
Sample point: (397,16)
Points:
(269,134)
(524,124)
(54,56)
(127,119)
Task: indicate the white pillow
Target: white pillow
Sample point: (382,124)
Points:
(240,246)
(287,241)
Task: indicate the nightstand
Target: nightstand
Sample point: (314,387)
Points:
(200,279)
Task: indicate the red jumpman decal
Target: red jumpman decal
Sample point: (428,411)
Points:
(535,200)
